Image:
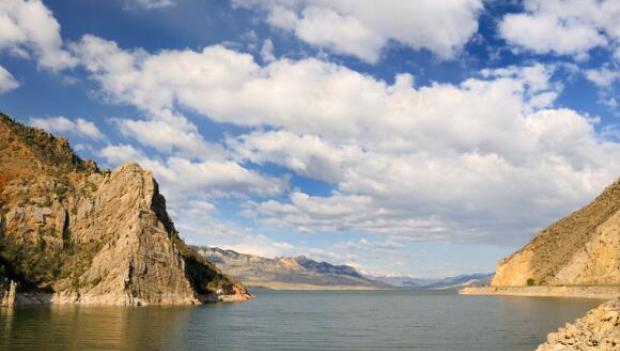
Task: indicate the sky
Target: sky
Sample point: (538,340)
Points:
(426,138)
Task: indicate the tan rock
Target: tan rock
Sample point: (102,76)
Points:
(75,234)
(581,249)
(598,330)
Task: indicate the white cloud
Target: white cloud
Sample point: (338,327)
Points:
(29,28)
(63,125)
(7,82)
(198,223)
(362,29)
(119,154)
(183,179)
(169,134)
(151,4)
(266,51)
(564,27)
(442,161)
(603,78)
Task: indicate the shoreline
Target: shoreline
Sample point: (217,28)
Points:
(43,298)
(603,292)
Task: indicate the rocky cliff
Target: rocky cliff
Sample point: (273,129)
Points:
(287,273)
(582,249)
(598,330)
(70,233)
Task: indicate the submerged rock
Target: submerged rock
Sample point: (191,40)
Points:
(73,234)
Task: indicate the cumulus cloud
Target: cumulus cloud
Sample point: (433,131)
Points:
(484,159)
(7,82)
(197,220)
(564,27)
(28,28)
(169,134)
(363,29)
(603,77)
(62,125)
(185,179)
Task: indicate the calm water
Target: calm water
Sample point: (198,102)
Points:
(389,320)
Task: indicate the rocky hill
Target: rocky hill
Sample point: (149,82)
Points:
(286,273)
(582,249)
(70,233)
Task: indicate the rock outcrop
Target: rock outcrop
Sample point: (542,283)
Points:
(70,233)
(598,330)
(288,273)
(582,249)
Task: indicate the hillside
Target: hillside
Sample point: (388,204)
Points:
(71,233)
(581,249)
(286,273)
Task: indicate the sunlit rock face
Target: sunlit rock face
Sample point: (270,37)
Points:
(581,249)
(71,233)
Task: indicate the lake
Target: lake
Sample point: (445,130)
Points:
(360,320)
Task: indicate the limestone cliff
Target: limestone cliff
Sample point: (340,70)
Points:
(71,233)
(581,249)
(598,330)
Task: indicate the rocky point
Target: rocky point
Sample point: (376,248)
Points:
(71,233)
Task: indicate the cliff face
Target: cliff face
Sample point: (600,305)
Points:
(581,249)
(78,235)
(287,273)
(598,330)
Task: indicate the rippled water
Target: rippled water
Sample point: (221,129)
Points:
(384,320)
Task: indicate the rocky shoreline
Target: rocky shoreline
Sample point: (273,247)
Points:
(599,329)
(604,292)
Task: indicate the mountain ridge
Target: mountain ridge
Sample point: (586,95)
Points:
(287,273)
(452,282)
(301,272)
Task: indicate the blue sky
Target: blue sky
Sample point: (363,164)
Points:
(426,138)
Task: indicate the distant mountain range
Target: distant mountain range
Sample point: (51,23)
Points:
(439,283)
(287,273)
(302,273)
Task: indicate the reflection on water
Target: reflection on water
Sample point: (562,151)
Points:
(393,320)
(91,328)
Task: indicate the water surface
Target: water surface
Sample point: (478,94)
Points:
(377,320)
